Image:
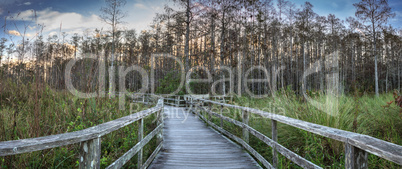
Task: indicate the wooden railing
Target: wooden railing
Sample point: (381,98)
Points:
(222,99)
(177,101)
(145,98)
(90,140)
(356,145)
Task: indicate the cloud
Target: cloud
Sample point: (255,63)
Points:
(54,21)
(27,3)
(1,11)
(140,5)
(14,32)
(140,16)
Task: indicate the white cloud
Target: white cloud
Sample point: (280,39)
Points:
(69,22)
(140,16)
(140,5)
(14,32)
(27,3)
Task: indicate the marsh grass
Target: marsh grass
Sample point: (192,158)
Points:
(61,112)
(361,114)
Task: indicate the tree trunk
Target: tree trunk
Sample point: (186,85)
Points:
(186,48)
(375,61)
(212,64)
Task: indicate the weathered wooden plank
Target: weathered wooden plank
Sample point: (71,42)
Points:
(90,154)
(281,149)
(380,148)
(152,156)
(160,119)
(209,115)
(130,153)
(47,142)
(241,142)
(245,118)
(274,132)
(189,143)
(221,110)
(140,137)
(355,158)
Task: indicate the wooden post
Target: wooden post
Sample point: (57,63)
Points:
(210,109)
(274,131)
(159,122)
(245,117)
(221,115)
(140,137)
(90,154)
(185,102)
(355,158)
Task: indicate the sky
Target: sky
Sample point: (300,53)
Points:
(76,16)
(71,16)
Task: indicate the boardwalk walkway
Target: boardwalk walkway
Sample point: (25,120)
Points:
(189,143)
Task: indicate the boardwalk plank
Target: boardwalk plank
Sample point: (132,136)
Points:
(189,143)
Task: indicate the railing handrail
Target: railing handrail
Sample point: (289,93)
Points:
(380,148)
(91,135)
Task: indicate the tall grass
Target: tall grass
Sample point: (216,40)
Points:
(61,112)
(367,115)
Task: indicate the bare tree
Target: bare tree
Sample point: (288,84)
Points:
(374,13)
(113,15)
(2,47)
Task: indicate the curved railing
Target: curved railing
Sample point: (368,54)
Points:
(90,140)
(356,149)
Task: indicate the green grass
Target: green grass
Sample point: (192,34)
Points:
(61,112)
(362,114)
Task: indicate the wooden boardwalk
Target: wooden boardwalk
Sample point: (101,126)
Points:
(189,143)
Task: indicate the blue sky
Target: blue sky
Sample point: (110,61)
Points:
(75,16)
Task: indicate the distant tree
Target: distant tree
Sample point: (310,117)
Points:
(374,13)
(187,4)
(113,15)
(304,23)
(75,41)
(2,47)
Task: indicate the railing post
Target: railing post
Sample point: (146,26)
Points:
(140,137)
(221,115)
(245,117)
(274,131)
(185,102)
(355,158)
(90,154)
(210,109)
(159,122)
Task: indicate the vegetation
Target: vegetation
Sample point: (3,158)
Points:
(61,112)
(365,114)
(210,33)
(358,57)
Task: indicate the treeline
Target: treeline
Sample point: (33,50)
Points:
(363,52)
